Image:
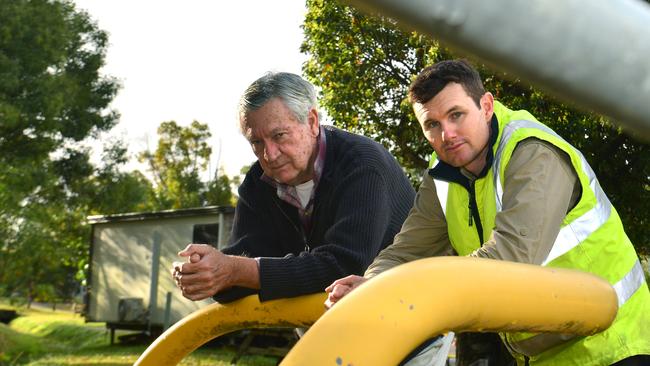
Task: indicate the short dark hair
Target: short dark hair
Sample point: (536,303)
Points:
(432,79)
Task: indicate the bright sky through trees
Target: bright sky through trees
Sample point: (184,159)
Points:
(190,60)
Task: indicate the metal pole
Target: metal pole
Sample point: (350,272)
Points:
(217,319)
(153,289)
(168,311)
(592,52)
(401,308)
(220,242)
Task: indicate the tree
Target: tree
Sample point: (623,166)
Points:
(182,154)
(51,92)
(219,191)
(51,97)
(45,240)
(364,64)
(43,252)
(45,236)
(114,191)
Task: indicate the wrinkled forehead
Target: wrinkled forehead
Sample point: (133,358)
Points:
(271,115)
(260,128)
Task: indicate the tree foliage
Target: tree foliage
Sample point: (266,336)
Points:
(181,156)
(51,92)
(51,97)
(364,64)
(218,191)
(115,191)
(45,239)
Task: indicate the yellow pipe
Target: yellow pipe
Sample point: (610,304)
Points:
(217,319)
(384,319)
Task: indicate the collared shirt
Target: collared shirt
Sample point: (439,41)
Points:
(289,193)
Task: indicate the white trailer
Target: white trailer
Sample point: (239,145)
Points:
(131,255)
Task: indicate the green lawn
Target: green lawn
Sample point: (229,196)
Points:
(44,337)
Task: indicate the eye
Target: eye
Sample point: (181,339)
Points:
(279,135)
(456,115)
(432,124)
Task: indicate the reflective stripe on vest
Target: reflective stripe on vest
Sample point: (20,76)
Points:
(579,229)
(538,343)
(569,236)
(591,221)
(442,189)
(629,284)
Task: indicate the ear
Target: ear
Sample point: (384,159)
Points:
(313,122)
(243,126)
(487,106)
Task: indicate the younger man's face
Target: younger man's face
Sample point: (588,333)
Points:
(457,129)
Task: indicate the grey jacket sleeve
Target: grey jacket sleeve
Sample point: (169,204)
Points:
(423,234)
(540,187)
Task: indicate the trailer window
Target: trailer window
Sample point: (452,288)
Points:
(206,234)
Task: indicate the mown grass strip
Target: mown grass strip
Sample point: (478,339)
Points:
(48,338)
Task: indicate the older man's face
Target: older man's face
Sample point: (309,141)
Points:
(285,147)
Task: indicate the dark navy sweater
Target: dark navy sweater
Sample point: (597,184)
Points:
(361,201)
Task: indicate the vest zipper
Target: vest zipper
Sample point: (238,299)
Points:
(473,212)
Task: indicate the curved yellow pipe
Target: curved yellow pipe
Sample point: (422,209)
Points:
(384,319)
(217,319)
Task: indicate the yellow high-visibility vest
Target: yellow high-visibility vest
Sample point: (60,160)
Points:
(591,239)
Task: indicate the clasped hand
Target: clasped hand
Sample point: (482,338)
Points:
(206,272)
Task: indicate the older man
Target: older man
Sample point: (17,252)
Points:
(319,203)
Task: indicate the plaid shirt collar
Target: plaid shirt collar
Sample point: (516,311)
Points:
(289,194)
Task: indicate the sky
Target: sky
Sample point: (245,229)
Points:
(191,60)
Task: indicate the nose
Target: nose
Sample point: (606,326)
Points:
(271,151)
(448,132)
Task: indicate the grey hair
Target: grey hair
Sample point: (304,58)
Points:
(297,94)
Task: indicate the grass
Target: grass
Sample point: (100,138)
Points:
(44,338)
(13,345)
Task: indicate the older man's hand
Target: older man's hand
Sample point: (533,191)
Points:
(208,271)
